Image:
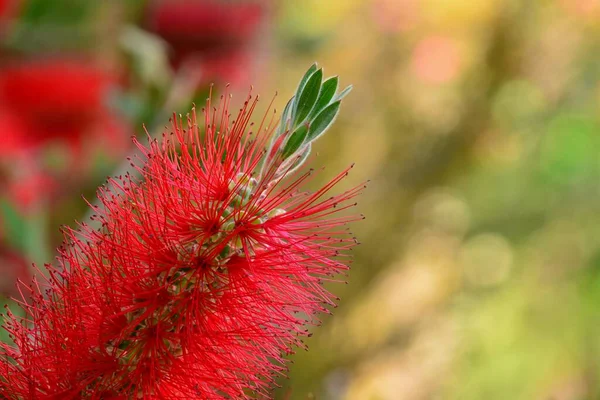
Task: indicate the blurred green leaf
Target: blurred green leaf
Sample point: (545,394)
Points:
(569,150)
(13,224)
(129,104)
(148,55)
(58,12)
(518,102)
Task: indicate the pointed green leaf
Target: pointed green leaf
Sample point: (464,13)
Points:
(327,92)
(323,121)
(295,141)
(311,70)
(343,93)
(308,97)
(285,115)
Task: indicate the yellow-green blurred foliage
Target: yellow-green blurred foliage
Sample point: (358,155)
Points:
(478,276)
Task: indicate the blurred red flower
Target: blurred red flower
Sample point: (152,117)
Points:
(14,137)
(8,8)
(13,267)
(214,35)
(26,189)
(22,181)
(55,99)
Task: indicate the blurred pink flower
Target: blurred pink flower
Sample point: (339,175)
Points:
(436,59)
(395,15)
(584,8)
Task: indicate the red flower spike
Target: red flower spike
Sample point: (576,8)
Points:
(205,272)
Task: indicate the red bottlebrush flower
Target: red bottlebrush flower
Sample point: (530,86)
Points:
(209,33)
(204,273)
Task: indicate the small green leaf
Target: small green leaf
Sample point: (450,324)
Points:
(284,117)
(308,97)
(295,141)
(343,93)
(307,75)
(323,121)
(327,92)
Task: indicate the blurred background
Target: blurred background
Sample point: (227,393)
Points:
(478,276)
